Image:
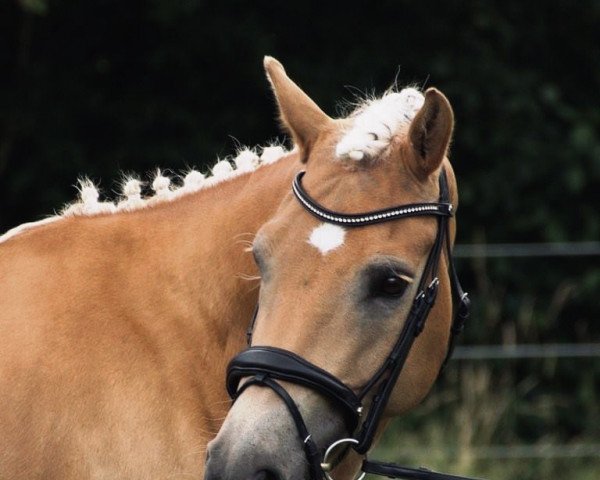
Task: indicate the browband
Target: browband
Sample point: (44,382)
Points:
(368,218)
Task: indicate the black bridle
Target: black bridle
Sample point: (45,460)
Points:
(266,365)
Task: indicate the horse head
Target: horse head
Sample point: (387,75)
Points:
(337,296)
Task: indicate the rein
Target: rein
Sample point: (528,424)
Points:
(266,365)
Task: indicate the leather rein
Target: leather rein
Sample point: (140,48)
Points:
(265,366)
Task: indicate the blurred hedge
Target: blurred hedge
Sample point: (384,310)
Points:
(94,87)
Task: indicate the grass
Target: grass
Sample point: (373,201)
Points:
(483,422)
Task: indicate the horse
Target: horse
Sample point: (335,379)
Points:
(119,319)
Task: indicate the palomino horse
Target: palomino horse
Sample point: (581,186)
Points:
(118,320)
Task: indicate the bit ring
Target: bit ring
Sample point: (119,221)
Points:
(327,466)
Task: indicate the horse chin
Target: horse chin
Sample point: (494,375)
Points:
(259,441)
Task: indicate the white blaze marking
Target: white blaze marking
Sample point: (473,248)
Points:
(327,237)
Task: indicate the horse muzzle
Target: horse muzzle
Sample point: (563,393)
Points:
(259,439)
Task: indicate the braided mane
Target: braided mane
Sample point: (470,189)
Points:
(374,122)
(164,188)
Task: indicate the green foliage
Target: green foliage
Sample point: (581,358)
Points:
(499,423)
(37,7)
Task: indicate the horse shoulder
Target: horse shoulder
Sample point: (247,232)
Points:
(88,355)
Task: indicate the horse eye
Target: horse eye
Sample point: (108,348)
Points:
(258,259)
(388,286)
(259,252)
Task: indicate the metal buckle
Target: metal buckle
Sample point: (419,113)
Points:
(431,291)
(327,466)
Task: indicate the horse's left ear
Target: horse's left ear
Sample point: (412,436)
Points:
(430,133)
(299,114)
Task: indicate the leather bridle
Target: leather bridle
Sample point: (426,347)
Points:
(265,366)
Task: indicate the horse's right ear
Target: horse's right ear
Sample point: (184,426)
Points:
(299,114)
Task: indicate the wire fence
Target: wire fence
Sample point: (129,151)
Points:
(557,249)
(544,451)
(523,352)
(507,250)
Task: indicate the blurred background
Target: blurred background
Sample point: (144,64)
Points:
(109,86)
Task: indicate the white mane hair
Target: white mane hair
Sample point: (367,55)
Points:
(372,126)
(376,121)
(88,202)
(245,161)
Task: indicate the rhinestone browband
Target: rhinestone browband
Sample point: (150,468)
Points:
(368,218)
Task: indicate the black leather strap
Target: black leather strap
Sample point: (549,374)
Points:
(442,208)
(461,304)
(388,374)
(392,470)
(284,365)
(250,329)
(310,447)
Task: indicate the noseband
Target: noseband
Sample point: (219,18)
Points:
(266,365)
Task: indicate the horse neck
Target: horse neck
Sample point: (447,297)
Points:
(203,240)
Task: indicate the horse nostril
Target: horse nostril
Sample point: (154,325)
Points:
(265,475)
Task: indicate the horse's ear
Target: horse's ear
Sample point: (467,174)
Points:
(430,133)
(299,114)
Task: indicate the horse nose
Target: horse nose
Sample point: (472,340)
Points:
(244,473)
(265,475)
(259,439)
(260,475)
(250,468)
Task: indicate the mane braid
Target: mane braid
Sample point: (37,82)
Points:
(376,121)
(88,202)
(372,125)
